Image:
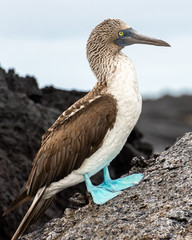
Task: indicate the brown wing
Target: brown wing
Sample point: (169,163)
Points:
(71,140)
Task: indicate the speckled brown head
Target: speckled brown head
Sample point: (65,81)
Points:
(110,36)
(103,36)
(106,41)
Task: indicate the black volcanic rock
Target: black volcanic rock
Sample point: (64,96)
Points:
(159,207)
(26,112)
(164,120)
(22,123)
(59,99)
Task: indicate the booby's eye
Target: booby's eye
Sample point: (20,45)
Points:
(121,34)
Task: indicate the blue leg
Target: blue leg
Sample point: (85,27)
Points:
(121,183)
(99,194)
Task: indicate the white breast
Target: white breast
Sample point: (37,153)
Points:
(122,84)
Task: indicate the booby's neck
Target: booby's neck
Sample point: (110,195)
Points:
(113,71)
(102,63)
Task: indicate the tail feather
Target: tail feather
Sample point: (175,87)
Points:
(37,208)
(21,198)
(41,209)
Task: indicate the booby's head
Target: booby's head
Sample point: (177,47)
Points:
(113,34)
(106,41)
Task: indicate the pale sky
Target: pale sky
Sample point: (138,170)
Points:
(47,39)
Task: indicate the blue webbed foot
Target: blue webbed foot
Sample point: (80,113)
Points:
(110,188)
(99,194)
(121,183)
(102,195)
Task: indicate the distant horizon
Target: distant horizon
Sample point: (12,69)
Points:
(145,97)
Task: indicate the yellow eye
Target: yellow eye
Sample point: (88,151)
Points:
(120,34)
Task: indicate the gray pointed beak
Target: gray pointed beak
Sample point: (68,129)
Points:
(130,36)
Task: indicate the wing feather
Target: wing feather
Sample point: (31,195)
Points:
(71,140)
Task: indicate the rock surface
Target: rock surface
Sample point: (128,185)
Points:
(160,207)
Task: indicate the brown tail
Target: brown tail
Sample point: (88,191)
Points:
(21,198)
(37,208)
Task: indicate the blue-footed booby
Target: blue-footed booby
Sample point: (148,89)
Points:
(89,134)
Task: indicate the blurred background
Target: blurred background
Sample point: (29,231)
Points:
(47,39)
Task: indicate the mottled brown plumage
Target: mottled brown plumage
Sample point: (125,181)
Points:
(101,49)
(73,139)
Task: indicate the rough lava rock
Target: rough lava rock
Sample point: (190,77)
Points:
(159,207)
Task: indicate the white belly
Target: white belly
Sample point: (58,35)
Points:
(113,143)
(124,88)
